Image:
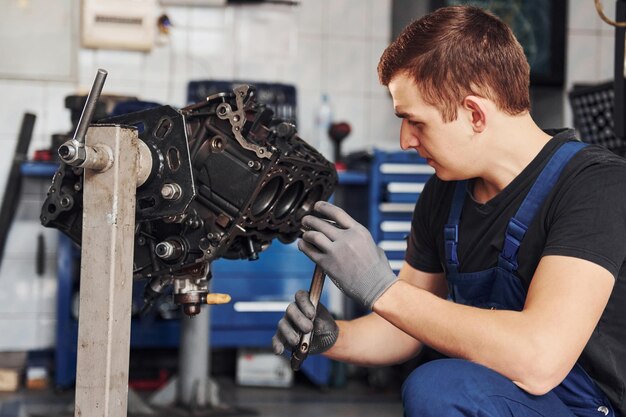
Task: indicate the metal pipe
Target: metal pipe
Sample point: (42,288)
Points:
(193,371)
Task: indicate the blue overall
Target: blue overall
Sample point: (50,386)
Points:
(454,387)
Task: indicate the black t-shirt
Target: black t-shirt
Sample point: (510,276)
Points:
(584,216)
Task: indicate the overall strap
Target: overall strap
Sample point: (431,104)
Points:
(518,225)
(451,229)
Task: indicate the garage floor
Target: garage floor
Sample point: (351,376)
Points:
(301,400)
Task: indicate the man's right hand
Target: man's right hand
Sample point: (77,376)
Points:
(300,318)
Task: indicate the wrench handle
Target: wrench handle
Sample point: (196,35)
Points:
(315,292)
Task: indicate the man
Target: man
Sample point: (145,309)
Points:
(515,262)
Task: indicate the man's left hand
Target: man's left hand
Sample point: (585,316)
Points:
(347,253)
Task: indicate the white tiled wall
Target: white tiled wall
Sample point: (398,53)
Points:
(321,46)
(590,46)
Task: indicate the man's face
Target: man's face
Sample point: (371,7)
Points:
(445,146)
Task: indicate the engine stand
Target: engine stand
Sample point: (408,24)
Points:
(106,275)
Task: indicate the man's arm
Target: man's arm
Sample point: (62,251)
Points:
(536,347)
(373,341)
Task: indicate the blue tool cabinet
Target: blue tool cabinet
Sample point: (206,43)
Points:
(396,181)
(260,290)
(260,293)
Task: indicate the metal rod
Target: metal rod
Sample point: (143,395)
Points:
(90,106)
(315,292)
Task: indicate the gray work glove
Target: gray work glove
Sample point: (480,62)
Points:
(347,253)
(299,319)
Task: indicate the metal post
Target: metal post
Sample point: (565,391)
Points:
(193,360)
(106,277)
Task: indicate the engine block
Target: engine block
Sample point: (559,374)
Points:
(227,178)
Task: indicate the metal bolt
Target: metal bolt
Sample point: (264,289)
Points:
(165,250)
(67,152)
(171,191)
(255,165)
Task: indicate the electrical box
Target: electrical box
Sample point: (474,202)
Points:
(119,24)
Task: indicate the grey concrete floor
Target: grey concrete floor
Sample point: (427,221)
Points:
(356,398)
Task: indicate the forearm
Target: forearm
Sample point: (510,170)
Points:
(501,340)
(535,347)
(372,341)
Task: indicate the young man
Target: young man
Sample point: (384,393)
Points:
(515,263)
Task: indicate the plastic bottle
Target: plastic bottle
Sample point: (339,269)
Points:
(323,120)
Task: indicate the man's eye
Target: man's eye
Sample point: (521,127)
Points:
(413,124)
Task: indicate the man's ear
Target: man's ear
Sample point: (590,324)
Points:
(477,110)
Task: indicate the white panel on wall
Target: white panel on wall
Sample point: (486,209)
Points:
(582,15)
(310,16)
(308,102)
(346,66)
(375,50)
(39,39)
(308,64)
(606,47)
(379,26)
(211,18)
(383,126)
(20,96)
(267,32)
(347,18)
(55,117)
(19,332)
(7,142)
(125,70)
(582,59)
(24,293)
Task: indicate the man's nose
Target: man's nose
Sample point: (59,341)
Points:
(408,138)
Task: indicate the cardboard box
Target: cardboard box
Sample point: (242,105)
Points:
(257,367)
(9,380)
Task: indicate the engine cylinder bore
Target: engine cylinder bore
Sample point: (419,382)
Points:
(311,197)
(289,200)
(266,196)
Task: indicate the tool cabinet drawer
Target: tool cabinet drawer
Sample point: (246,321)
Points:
(255,302)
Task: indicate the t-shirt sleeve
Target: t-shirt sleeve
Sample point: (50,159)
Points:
(589,221)
(421,250)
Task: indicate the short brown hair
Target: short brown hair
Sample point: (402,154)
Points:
(456,51)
